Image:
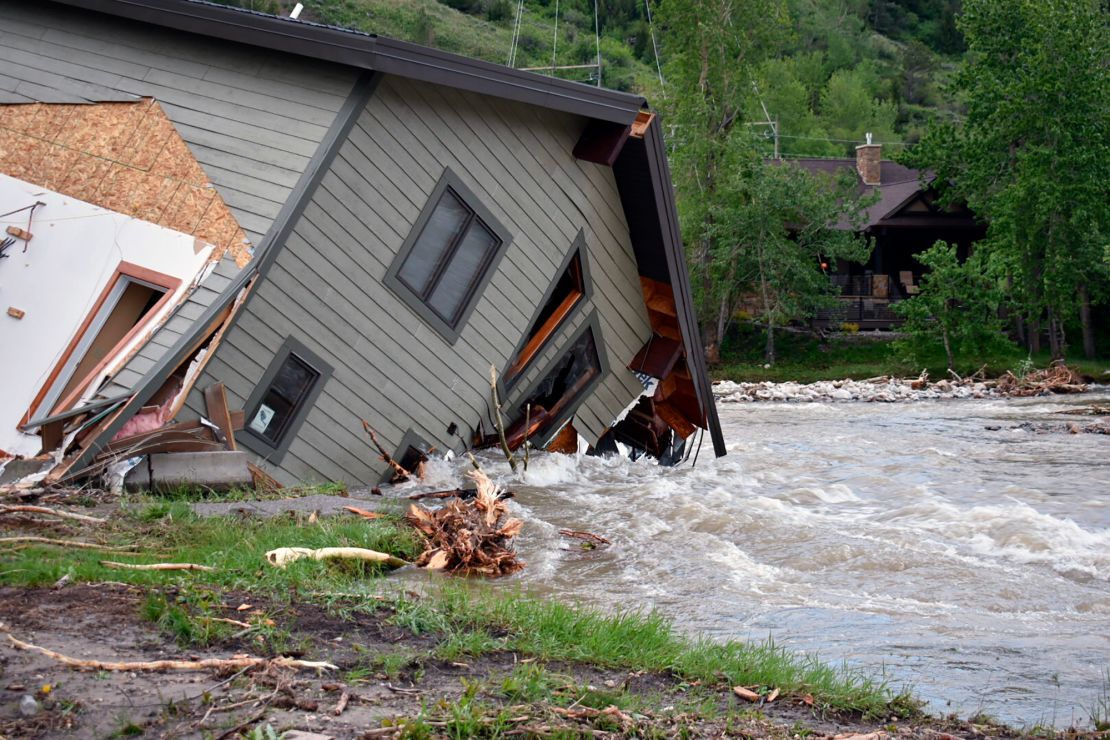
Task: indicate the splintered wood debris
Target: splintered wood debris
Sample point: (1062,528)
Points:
(469,537)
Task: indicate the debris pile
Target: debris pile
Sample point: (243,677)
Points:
(1058,378)
(469,537)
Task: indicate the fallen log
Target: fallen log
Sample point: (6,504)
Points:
(594,539)
(11,509)
(282,556)
(155,566)
(169,665)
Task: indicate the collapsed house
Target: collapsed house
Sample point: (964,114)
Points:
(233,230)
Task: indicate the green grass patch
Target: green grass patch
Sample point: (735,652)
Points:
(638,641)
(168,531)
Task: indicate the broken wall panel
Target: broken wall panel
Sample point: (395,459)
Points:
(126,157)
(251,117)
(81,258)
(324,288)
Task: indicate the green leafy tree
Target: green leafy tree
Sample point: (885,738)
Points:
(1032,154)
(712,48)
(957,308)
(778,224)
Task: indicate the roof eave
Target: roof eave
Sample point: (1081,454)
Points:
(370,52)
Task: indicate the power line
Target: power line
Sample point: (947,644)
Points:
(655,46)
(597,40)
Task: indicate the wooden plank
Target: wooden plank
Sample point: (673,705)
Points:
(215,398)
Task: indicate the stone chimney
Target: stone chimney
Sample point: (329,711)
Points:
(869,162)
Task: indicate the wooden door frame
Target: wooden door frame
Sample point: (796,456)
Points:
(123,270)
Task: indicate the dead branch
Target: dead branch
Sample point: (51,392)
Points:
(170,665)
(587,536)
(282,556)
(60,543)
(364,513)
(8,509)
(400,475)
(498,420)
(1057,378)
(469,537)
(155,566)
(455,493)
(342,703)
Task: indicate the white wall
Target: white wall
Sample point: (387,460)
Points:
(71,259)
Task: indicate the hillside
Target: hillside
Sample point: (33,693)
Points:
(847,66)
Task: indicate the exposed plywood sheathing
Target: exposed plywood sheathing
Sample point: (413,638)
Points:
(126,157)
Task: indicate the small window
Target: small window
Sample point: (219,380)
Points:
(284,395)
(568,292)
(566,381)
(448,257)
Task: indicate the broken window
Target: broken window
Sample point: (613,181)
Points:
(567,293)
(567,380)
(286,391)
(447,258)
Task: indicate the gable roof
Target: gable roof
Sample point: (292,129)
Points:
(897,184)
(375,56)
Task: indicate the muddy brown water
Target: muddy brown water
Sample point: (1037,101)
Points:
(907,541)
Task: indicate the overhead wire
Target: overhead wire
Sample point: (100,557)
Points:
(514,44)
(654,46)
(555,39)
(597,40)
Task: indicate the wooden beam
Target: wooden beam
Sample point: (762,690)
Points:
(215,399)
(601,142)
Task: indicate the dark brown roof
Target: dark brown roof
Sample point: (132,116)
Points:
(897,184)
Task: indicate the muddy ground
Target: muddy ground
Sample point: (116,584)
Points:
(103,621)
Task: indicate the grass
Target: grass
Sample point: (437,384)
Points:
(168,531)
(805,358)
(634,640)
(466,619)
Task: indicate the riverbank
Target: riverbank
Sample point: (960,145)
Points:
(804,357)
(449,658)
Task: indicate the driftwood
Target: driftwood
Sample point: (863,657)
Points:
(400,474)
(241,661)
(60,543)
(155,566)
(595,540)
(469,537)
(285,555)
(1057,378)
(11,509)
(499,422)
(364,513)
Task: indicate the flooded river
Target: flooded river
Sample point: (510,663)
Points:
(906,540)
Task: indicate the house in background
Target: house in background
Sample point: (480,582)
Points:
(414,216)
(904,220)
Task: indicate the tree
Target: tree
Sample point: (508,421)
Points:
(1032,155)
(712,49)
(957,307)
(778,224)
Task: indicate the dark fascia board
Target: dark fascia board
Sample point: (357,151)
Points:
(90,406)
(578,246)
(265,254)
(254,441)
(591,324)
(656,152)
(370,52)
(391,280)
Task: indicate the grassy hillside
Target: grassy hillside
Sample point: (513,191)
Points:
(848,67)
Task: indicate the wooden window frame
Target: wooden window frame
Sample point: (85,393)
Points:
(449,329)
(127,270)
(257,442)
(530,348)
(569,403)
